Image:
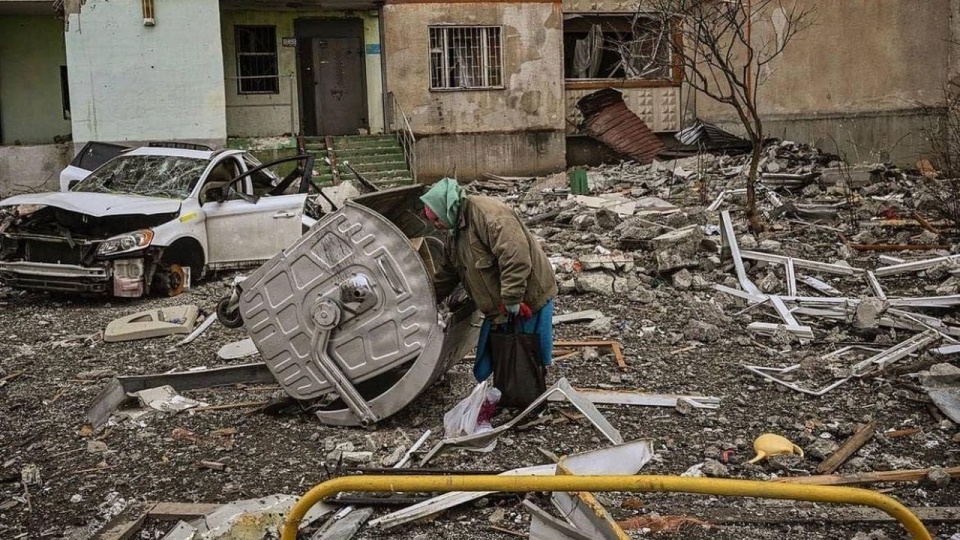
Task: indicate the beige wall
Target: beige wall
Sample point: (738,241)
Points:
(532,46)
(261,115)
(861,55)
(860,76)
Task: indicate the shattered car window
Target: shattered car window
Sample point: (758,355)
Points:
(155,176)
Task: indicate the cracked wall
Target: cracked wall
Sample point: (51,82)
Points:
(517,129)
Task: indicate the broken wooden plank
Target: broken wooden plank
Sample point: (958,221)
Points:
(908,475)
(10,377)
(924,223)
(614,346)
(124,526)
(847,449)
(906,432)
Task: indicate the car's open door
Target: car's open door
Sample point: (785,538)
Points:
(256,215)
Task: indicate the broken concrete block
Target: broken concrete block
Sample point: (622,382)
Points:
(937,478)
(701,331)
(714,469)
(606,219)
(822,448)
(583,222)
(869,312)
(850,177)
(678,249)
(682,280)
(153,323)
(770,245)
(595,282)
(618,262)
(602,326)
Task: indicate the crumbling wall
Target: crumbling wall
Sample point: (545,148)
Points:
(32,169)
(134,82)
(864,75)
(505,131)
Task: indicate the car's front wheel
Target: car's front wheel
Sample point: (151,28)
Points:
(170,279)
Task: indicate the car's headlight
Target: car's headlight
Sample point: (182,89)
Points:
(127,242)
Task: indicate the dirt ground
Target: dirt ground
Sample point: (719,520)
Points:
(42,415)
(52,370)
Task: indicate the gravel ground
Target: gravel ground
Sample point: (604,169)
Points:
(55,370)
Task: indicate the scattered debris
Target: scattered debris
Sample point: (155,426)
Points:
(165,399)
(770,444)
(152,323)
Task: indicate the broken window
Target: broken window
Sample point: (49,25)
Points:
(257,71)
(630,47)
(154,176)
(465,57)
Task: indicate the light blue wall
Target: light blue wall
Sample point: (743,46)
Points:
(130,82)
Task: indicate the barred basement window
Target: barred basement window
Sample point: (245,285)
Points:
(465,57)
(257,60)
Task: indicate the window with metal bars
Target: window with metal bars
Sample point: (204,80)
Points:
(257,60)
(463,57)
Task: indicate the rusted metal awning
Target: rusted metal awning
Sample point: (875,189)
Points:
(607,119)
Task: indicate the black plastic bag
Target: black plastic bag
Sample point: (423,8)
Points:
(517,370)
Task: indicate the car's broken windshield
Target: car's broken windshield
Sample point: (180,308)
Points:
(155,176)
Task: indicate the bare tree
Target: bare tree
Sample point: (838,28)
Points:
(713,44)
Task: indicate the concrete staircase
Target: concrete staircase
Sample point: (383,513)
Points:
(378,158)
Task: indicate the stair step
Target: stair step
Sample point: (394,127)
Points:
(383,175)
(371,150)
(375,167)
(366,145)
(380,161)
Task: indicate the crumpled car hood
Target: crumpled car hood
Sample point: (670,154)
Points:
(98,204)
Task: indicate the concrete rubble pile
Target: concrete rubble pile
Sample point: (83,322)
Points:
(685,342)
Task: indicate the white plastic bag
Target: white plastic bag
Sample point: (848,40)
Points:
(462,419)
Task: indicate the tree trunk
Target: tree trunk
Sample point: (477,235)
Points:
(752,185)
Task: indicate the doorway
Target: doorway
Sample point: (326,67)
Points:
(333,93)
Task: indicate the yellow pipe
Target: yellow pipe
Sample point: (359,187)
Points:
(706,486)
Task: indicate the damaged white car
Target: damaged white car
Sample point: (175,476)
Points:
(152,218)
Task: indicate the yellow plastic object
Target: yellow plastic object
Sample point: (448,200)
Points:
(769,444)
(520,484)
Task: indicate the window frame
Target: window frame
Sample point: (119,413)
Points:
(445,30)
(237,28)
(676,69)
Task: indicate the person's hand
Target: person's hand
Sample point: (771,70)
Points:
(521,309)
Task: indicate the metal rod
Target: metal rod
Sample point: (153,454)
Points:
(521,484)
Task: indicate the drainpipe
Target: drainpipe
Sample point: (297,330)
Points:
(383,69)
